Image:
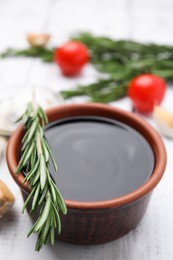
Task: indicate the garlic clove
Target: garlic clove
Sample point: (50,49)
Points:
(164,121)
(38,40)
(6,199)
(3,143)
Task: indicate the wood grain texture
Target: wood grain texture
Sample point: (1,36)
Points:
(140,20)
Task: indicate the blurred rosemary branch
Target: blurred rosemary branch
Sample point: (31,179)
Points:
(46,54)
(118,60)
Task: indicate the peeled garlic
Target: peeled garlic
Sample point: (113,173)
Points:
(38,40)
(164,121)
(6,199)
(3,142)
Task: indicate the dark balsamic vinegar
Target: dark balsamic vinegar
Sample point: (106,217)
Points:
(98,158)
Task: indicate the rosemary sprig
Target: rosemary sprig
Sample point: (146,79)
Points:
(35,158)
(46,54)
(104,91)
(120,60)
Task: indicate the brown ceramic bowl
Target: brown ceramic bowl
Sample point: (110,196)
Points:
(99,222)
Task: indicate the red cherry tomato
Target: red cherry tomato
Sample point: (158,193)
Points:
(71,57)
(146,91)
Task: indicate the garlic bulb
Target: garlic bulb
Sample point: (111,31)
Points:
(38,40)
(164,121)
(6,199)
(11,107)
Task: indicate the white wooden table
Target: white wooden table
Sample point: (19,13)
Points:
(144,20)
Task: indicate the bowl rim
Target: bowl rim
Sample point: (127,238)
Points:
(157,147)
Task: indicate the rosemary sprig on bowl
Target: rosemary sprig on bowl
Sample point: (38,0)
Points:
(35,158)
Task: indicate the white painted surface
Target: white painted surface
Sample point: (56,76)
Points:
(140,20)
